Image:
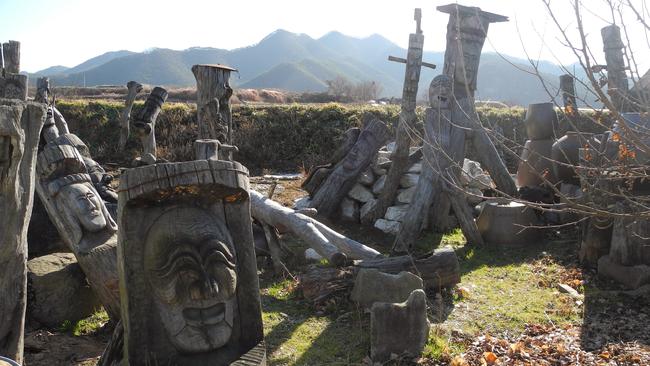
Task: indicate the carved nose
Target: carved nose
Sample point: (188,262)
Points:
(203,290)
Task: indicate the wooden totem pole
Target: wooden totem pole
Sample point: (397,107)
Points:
(188,275)
(617,84)
(406,123)
(65,186)
(145,125)
(20,126)
(213,94)
(13,84)
(133,89)
(447,123)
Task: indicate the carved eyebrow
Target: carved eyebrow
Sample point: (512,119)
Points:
(170,265)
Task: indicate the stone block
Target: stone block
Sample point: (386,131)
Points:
(366,208)
(631,277)
(401,328)
(396,213)
(367,178)
(409,180)
(58,290)
(387,226)
(372,285)
(379,185)
(349,210)
(360,193)
(405,195)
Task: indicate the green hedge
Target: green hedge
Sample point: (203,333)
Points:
(273,137)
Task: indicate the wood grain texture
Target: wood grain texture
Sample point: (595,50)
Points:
(346,172)
(20,127)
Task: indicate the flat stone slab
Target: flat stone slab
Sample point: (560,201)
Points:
(361,193)
(396,213)
(405,195)
(399,328)
(387,226)
(372,285)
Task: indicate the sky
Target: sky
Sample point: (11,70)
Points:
(68,32)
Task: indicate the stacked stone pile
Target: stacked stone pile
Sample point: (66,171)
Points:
(363,195)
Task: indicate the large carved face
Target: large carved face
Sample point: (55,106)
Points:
(191,267)
(440,92)
(85,206)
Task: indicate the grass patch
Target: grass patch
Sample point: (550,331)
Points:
(504,289)
(296,334)
(86,326)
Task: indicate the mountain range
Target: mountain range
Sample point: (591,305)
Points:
(299,63)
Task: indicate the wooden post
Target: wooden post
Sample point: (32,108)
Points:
(213,93)
(20,126)
(188,275)
(343,177)
(133,89)
(11,56)
(405,124)
(145,124)
(617,85)
(567,86)
(42,90)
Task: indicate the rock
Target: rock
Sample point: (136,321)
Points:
(396,213)
(390,147)
(409,180)
(383,156)
(631,277)
(349,210)
(387,226)
(399,328)
(371,286)
(405,195)
(301,203)
(474,196)
(311,255)
(367,178)
(360,193)
(379,171)
(473,176)
(379,185)
(415,168)
(569,290)
(366,208)
(58,290)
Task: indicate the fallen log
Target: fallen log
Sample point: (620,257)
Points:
(327,242)
(438,270)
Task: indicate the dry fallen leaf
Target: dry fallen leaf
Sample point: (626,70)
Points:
(459,361)
(490,357)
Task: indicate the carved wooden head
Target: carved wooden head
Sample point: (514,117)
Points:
(440,92)
(190,264)
(85,205)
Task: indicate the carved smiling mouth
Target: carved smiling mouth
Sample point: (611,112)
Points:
(212,315)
